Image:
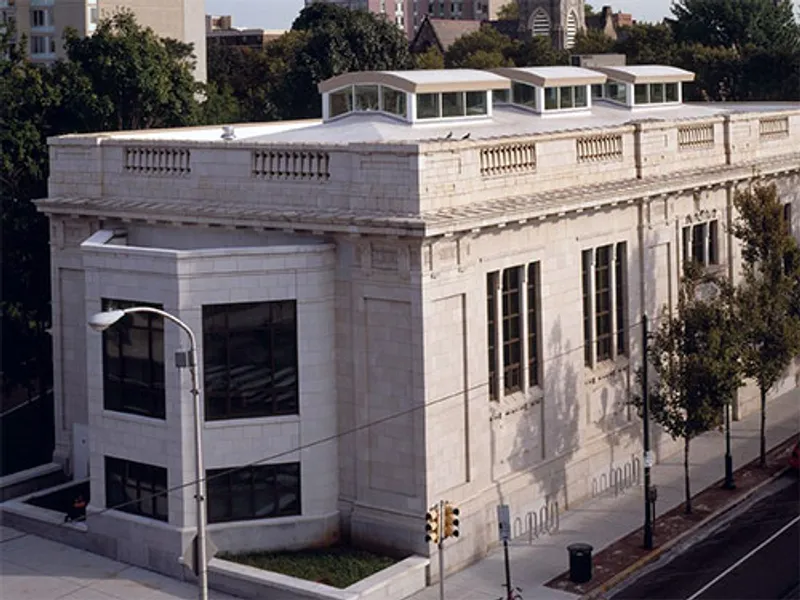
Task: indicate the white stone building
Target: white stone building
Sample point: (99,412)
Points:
(435,292)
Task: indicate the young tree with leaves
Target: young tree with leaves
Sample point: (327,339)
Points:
(768,291)
(694,359)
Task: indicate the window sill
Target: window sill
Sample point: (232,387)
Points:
(133,418)
(515,402)
(260,522)
(606,369)
(251,421)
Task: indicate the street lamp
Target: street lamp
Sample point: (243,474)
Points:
(102,321)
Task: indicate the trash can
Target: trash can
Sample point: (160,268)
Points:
(580,562)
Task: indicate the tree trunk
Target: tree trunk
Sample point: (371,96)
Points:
(763,456)
(686,475)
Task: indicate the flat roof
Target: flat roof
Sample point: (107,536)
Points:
(421,82)
(552,76)
(647,74)
(373,127)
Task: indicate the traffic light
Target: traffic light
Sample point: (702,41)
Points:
(432,525)
(450,520)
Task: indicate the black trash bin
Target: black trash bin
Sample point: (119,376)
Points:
(580,562)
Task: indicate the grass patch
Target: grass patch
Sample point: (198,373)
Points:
(338,566)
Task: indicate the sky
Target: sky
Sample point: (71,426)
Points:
(279,14)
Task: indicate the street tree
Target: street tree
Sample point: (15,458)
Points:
(768,291)
(694,363)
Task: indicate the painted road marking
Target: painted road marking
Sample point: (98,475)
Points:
(744,558)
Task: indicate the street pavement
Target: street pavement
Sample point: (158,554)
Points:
(753,555)
(33,568)
(602,521)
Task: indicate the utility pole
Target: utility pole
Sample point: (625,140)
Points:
(729,483)
(504,525)
(441,549)
(648,458)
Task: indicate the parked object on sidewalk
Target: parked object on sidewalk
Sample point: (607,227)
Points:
(580,562)
(794,457)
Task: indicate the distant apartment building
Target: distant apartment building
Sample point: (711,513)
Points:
(220,31)
(43,23)
(409,14)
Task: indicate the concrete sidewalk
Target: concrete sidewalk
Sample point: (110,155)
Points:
(602,521)
(33,568)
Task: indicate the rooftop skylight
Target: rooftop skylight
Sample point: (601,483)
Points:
(549,89)
(412,95)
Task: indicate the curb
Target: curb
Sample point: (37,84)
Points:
(596,593)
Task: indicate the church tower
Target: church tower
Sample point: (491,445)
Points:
(560,20)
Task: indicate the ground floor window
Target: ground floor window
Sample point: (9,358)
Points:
(136,488)
(253,492)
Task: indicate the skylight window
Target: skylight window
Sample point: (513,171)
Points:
(444,105)
(366,98)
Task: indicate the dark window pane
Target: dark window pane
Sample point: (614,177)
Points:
(586,271)
(491,334)
(133,362)
(136,488)
(713,242)
(257,492)
(620,276)
(602,308)
(250,359)
(512,321)
(533,324)
(699,243)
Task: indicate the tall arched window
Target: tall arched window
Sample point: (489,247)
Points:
(540,22)
(572,30)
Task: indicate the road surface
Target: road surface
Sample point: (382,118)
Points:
(755,556)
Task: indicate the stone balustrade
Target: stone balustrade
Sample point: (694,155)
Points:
(407,178)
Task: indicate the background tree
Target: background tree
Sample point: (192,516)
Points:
(592,41)
(138,80)
(766,24)
(691,363)
(122,77)
(770,330)
(483,49)
(538,50)
(509,11)
(27,101)
(432,58)
(645,43)
(338,41)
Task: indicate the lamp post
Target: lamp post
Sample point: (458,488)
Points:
(648,457)
(102,321)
